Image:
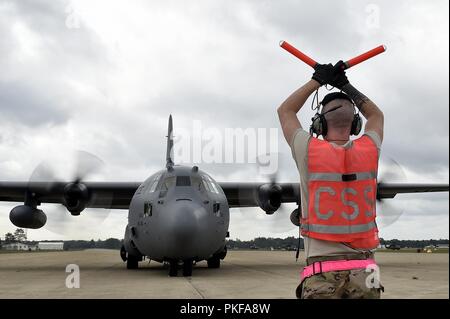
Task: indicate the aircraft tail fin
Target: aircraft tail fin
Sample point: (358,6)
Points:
(169,153)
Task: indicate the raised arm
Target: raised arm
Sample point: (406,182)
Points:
(287,112)
(374,116)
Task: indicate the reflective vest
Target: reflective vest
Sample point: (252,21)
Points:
(342,187)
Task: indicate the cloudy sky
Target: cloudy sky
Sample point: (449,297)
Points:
(103,76)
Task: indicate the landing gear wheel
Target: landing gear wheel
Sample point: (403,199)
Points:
(173,268)
(123,253)
(214,262)
(132,262)
(223,253)
(187,268)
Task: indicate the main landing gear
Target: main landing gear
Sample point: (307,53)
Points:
(214,261)
(133,262)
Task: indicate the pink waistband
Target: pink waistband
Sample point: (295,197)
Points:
(335,265)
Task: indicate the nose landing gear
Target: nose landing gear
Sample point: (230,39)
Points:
(187,268)
(173,268)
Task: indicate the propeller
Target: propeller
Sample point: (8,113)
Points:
(280,220)
(72,169)
(389,211)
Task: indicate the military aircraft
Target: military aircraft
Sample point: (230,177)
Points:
(179,215)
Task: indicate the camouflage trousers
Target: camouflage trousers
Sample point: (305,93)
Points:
(347,284)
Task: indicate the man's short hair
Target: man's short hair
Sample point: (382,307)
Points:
(334,96)
(341,117)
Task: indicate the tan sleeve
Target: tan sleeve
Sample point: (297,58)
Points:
(375,138)
(299,146)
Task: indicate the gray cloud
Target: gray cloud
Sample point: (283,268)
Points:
(23,104)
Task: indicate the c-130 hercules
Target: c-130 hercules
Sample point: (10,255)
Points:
(179,215)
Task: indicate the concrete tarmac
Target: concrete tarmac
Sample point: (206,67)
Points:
(243,274)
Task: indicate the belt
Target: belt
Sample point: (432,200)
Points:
(334,265)
(358,256)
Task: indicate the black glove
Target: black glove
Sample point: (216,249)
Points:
(323,73)
(338,79)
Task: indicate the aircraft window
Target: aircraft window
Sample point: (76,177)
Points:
(154,183)
(206,185)
(214,186)
(196,182)
(210,185)
(183,181)
(168,183)
(147,209)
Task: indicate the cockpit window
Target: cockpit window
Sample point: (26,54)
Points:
(210,185)
(196,183)
(183,181)
(168,183)
(154,183)
(206,185)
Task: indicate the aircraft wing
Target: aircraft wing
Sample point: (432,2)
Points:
(116,195)
(251,194)
(262,194)
(390,190)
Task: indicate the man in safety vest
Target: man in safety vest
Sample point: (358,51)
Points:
(338,185)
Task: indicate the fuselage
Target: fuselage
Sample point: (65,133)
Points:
(178,213)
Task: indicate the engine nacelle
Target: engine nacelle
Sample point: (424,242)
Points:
(76,196)
(24,216)
(269,197)
(295,217)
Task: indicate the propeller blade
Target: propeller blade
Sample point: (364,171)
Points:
(85,165)
(388,212)
(69,168)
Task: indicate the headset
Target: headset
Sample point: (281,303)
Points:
(319,124)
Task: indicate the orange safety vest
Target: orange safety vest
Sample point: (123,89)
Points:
(342,185)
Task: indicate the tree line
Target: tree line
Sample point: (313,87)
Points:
(19,235)
(289,243)
(110,243)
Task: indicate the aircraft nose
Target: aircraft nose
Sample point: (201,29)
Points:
(186,219)
(184,230)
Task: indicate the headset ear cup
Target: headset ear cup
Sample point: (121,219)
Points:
(356,125)
(324,126)
(316,125)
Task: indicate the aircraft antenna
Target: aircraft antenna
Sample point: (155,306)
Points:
(169,153)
